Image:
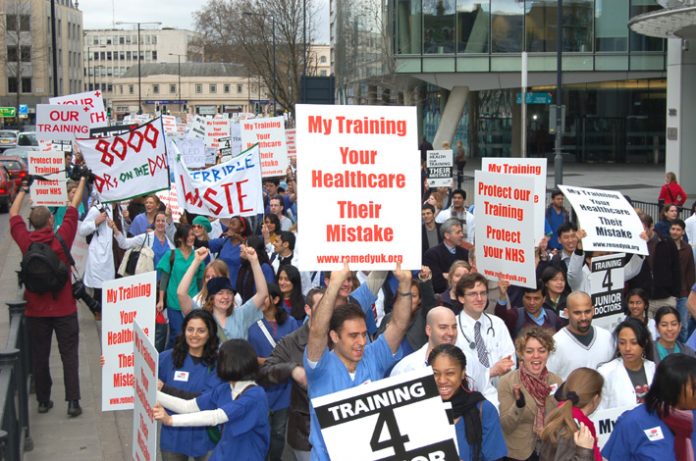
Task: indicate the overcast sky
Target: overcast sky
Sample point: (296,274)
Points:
(101,14)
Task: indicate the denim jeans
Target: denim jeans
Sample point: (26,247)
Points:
(684,318)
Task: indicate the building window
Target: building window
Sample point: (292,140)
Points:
(12,85)
(130,89)
(129,57)
(240,87)
(322,59)
(121,40)
(154,39)
(26,84)
(11,54)
(25,53)
(110,87)
(154,56)
(199,88)
(172,88)
(11,22)
(212,88)
(226,88)
(108,55)
(322,73)
(155,88)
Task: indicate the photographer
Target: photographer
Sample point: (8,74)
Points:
(50,310)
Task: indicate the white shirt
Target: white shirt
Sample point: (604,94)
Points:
(618,390)
(379,302)
(691,229)
(100,259)
(571,354)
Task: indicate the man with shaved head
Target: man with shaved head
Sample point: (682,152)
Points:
(580,344)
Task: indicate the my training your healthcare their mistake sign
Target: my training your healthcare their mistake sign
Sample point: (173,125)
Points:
(269,133)
(124,300)
(505,227)
(359,179)
(385,421)
(130,164)
(229,189)
(610,221)
(146,365)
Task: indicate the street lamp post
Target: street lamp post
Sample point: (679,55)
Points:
(140,89)
(273,44)
(89,56)
(558,155)
(178,60)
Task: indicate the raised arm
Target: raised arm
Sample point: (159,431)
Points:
(401,313)
(319,327)
(185,301)
(259,278)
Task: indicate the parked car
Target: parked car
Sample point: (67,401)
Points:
(21,152)
(17,168)
(8,190)
(8,139)
(27,140)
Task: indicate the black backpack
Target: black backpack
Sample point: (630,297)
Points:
(41,270)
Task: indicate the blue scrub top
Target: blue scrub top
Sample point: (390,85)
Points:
(247,434)
(228,252)
(629,440)
(192,377)
(330,375)
(493,444)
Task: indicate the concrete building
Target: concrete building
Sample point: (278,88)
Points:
(26,73)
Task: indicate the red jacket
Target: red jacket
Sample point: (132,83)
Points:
(672,193)
(48,304)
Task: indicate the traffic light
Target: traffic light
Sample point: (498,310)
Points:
(108,112)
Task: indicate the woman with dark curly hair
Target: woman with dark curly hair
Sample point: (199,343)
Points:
(186,371)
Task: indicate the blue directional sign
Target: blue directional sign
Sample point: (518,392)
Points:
(23,110)
(535,98)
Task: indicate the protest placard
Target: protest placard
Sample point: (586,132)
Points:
(606,286)
(169,199)
(91,99)
(192,151)
(50,165)
(397,406)
(56,122)
(123,300)
(229,189)
(214,130)
(440,163)
(604,421)
(196,127)
(269,133)
(504,229)
(79,251)
(610,221)
(169,124)
(128,165)
(359,178)
(146,364)
(534,167)
(290,141)
(235,137)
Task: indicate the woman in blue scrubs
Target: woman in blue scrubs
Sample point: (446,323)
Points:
(240,404)
(186,371)
(476,421)
(663,427)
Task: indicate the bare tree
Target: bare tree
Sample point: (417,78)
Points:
(244,31)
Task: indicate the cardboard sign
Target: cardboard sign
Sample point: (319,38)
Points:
(359,178)
(229,189)
(269,133)
(604,421)
(440,164)
(90,99)
(610,221)
(50,165)
(169,124)
(123,300)
(193,151)
(290,140)
(385,420)
(606,286)
(504,227)
(128,165)
(146,365)
(56,122)
(214,130)
(526,167)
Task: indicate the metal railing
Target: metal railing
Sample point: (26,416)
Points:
(15,366)
(653,209)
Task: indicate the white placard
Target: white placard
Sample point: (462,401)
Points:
(290,140)
(269,133)
(90,99)
(193,151)
(606,290)
(372,412)
(123,300)
(50,165)
(169,199)
(55,122)
(610,221)
(504,229)
(440,164)
(169,124)
(359,179)
(216,129)
(146,364)
(128,165)
(604,421)
(535,167)
(235,137)
(196,128)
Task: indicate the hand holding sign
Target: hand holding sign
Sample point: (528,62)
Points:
(583,437)
(161,415)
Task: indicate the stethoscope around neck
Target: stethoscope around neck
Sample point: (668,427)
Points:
(472,344)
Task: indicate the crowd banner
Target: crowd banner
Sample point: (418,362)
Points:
(92,100)
(128,165)
(50,165)
(604,421)
(146,364)
(611,223)
(440,164)
(269,133)
(56,122)
(535,167)
(607,283)
(232,188)
(359,178)
(504,234)
(123,300)
(385,420)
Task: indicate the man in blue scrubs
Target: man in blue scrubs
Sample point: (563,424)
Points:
(352,361)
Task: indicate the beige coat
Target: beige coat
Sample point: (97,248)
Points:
(518,423)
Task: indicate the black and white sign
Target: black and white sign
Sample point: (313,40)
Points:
(440,163)
(607,283)
(385,420)
(604,421)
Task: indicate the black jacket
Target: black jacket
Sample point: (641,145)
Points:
(664,278)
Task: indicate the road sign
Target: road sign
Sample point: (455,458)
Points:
(535,98)
(23,110)
(7,111)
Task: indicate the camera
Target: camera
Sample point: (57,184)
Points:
(80,171)
(79,292)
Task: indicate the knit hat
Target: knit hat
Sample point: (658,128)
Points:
(217,284)
(203,222)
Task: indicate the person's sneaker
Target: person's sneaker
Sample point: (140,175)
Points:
(45,406)
(74,408)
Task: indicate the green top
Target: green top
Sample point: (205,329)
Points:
(181,265)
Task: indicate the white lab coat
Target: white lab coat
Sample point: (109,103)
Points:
(618,391)
(100,260)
